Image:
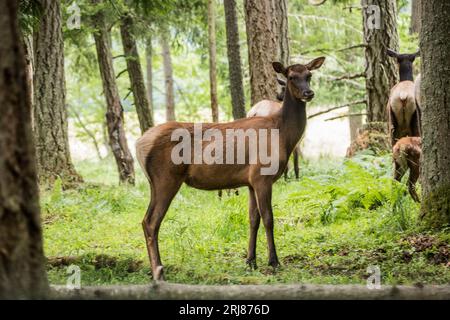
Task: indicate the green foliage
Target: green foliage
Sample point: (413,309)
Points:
(204,239)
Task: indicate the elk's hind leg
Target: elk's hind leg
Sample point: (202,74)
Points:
(163,191)
(414,172)
(254,226)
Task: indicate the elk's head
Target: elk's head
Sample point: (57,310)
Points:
(298,77)
(405,61)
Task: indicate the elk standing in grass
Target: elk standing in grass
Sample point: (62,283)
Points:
(266,108)
(154,150)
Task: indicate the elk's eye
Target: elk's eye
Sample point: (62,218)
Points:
(291,78)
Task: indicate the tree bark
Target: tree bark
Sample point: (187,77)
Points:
(22,267)
(114,111)
(435,101)
(355,123)
(234,60)
(51,126)
(262,48)
(212,59)
(281,31)
(149,71)
(381,71)
(135,73)
(416,21)
(168,76)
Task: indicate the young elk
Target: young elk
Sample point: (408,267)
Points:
(404,115)
(266,108)
(406,154)
(155,147)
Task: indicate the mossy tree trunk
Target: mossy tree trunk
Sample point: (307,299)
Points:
(234,60)
(435,101)
(22,267)
(114,111)
(50,111)
(135,73)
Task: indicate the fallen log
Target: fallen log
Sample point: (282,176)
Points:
(164,290)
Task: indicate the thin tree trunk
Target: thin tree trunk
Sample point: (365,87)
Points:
(416,21)
(22,267)
(435,101)
(262,48)
(234,60)
(114,113)
(381,71)
(168,76)
(51,126)
(135,74)
(29,58)
(212,59)
(149,71)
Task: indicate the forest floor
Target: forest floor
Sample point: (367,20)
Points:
(338,219)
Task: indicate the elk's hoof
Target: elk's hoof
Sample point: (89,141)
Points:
(252,263)
(158,275)
(274,264)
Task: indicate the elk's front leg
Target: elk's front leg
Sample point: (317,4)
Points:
(263,193)
(254,218)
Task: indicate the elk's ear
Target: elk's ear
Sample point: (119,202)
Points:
(391,53)
(315,64)
(281,82)
(279,68)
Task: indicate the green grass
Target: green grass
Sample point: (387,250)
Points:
(339,218)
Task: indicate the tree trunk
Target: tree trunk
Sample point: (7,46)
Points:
(22,267)
(114,114)
(416,21)
(212,59)
(381,71)
(135,74)
(149,71)
(51,126)
(234,60)
(435,55)
(355,123)
(262,48)
(168,75)
(281,31)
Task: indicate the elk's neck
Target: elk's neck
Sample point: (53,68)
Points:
(406,73)
(293,118)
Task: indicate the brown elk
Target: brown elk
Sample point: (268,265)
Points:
(403,113)
(266,108)
(155,147)
(406,153)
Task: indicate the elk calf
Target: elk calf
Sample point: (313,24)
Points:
(407,152)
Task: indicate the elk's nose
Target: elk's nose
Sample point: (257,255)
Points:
(308,93)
